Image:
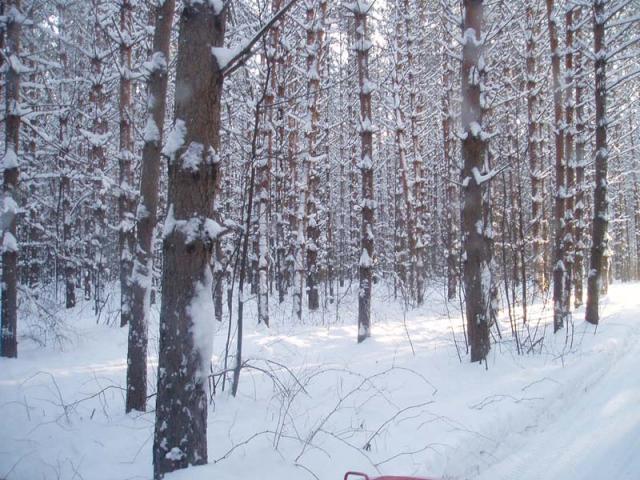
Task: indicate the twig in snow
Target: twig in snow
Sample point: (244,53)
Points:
(244,442)
(497,398)
(367,445)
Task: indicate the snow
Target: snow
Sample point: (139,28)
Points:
(200,310)
(217,5)
(175,454)
(213,229)
(95,139)
(169,223)
(17,66)
(365,259)
(192,157)
(141,211)
(9,242)
(151,131)
(359,6)
(157,63)
(10,159)
(223,55)
(368,87)
(175,139)
(192,228)
(482,178)
(567,412)
(8,210)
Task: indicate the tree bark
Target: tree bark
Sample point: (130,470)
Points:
(408,245)
(571,19)
(417,261)
(263,172)
(147,214)
(64,167)
(533,142)
(477,244)
(559,315)
(578,213)
(186,313)
(126,194)
(453,175)
(315,38)
(96,221)
(599,241)
(362,46)
(11,174)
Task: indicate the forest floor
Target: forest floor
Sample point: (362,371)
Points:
(314,404)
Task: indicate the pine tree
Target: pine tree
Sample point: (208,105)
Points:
(187,307)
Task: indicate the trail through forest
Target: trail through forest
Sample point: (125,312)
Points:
(592,429)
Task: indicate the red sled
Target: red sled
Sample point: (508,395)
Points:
(364,476)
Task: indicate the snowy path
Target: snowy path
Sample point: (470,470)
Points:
(596,437)
(592,433)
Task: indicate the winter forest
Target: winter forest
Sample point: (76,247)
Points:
(285,239)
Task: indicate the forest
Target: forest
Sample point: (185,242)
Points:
(291,238)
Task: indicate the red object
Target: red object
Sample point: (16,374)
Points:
(364,476)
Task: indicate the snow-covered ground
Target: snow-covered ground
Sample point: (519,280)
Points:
(400,403)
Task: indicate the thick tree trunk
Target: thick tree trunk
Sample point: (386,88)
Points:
(148,209)
(599,239)
(477,244)
(126,194)
(186,313)
(11,174)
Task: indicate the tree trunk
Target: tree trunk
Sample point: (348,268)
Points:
(126,194)
(578,213)
(477,244)
(599,247)
(11,174)
(96,221)
(569,197)
(263,171)
(362,46)
(65,169)
(452,175)
(417,262)
(558,213)
(148,209)
(186,313)
(315,38)
(536,172)
(407,250)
